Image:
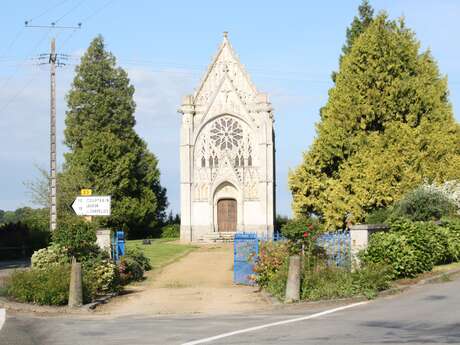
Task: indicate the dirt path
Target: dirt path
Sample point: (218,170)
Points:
(201,282)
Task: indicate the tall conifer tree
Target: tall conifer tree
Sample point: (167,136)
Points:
(106,154)
(357,27)
(387,127)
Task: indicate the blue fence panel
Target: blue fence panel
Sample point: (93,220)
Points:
(337,246)
(246,250)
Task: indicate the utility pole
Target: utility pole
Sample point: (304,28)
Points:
(54,61)
(53,184)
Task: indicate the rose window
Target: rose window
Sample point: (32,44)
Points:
(226,133)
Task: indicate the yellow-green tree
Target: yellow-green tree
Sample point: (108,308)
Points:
(387,127)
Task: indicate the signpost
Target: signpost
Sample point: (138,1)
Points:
(92,205)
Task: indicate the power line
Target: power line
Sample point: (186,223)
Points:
(47,10)
(19,92)
(109,2)
(12,75)
(69,11)
(86,19)
(12,42)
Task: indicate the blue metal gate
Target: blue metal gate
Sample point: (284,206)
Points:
(337,246)
(246,249)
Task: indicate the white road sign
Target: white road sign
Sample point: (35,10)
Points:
(92,205)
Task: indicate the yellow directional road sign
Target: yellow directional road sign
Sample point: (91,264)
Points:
(86,192)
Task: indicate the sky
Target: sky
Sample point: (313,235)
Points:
(289,48)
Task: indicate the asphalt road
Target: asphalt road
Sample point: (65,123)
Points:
(424,315)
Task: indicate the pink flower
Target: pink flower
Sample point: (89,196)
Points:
(305,234)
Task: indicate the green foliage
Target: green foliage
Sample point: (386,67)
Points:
(379,216)
(130,270)
(53,255)
(139,256)
(302,232)
(49,286)
(332,282)
(106,154)
(77,236)
(280,221)
(396,250)
(386,127)
(423,204)
(19,240)
(170,231)
(411,248)
(452,223)
(277,283)
(357,27)
(272,257)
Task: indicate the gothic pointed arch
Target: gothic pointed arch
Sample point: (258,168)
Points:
(226,140)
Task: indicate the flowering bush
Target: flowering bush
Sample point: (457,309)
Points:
(53,255)
(138,255)
(130,270)
(302,235)
(100,276)
(271,258)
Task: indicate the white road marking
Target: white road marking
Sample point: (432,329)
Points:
(2,317)
(273,324)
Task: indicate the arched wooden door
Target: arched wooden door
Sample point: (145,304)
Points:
(226,215)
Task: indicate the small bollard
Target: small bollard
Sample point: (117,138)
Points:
(75,288)
(293,280)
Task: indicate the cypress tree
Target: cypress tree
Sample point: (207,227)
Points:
(357,27)
(386,128)
(106,154)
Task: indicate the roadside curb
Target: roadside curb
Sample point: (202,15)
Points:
(53,310)
(2,318)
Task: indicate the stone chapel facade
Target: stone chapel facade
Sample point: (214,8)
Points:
(227,155)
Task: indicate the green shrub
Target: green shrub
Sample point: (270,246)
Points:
(326,282)
(424,204)
(302,232)
(41,286)
(170,231)
(277,283)
(100,276)
(371,279)
(138,255)
(130,270)
(272,256)
(53,255)
(21,240)
(452,223)
(379,216)
(395,250)
(78,236)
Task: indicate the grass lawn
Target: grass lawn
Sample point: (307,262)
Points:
(448,267)
(162,251)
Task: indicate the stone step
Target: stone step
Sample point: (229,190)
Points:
(215,237)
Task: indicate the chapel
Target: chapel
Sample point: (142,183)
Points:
(227,155)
